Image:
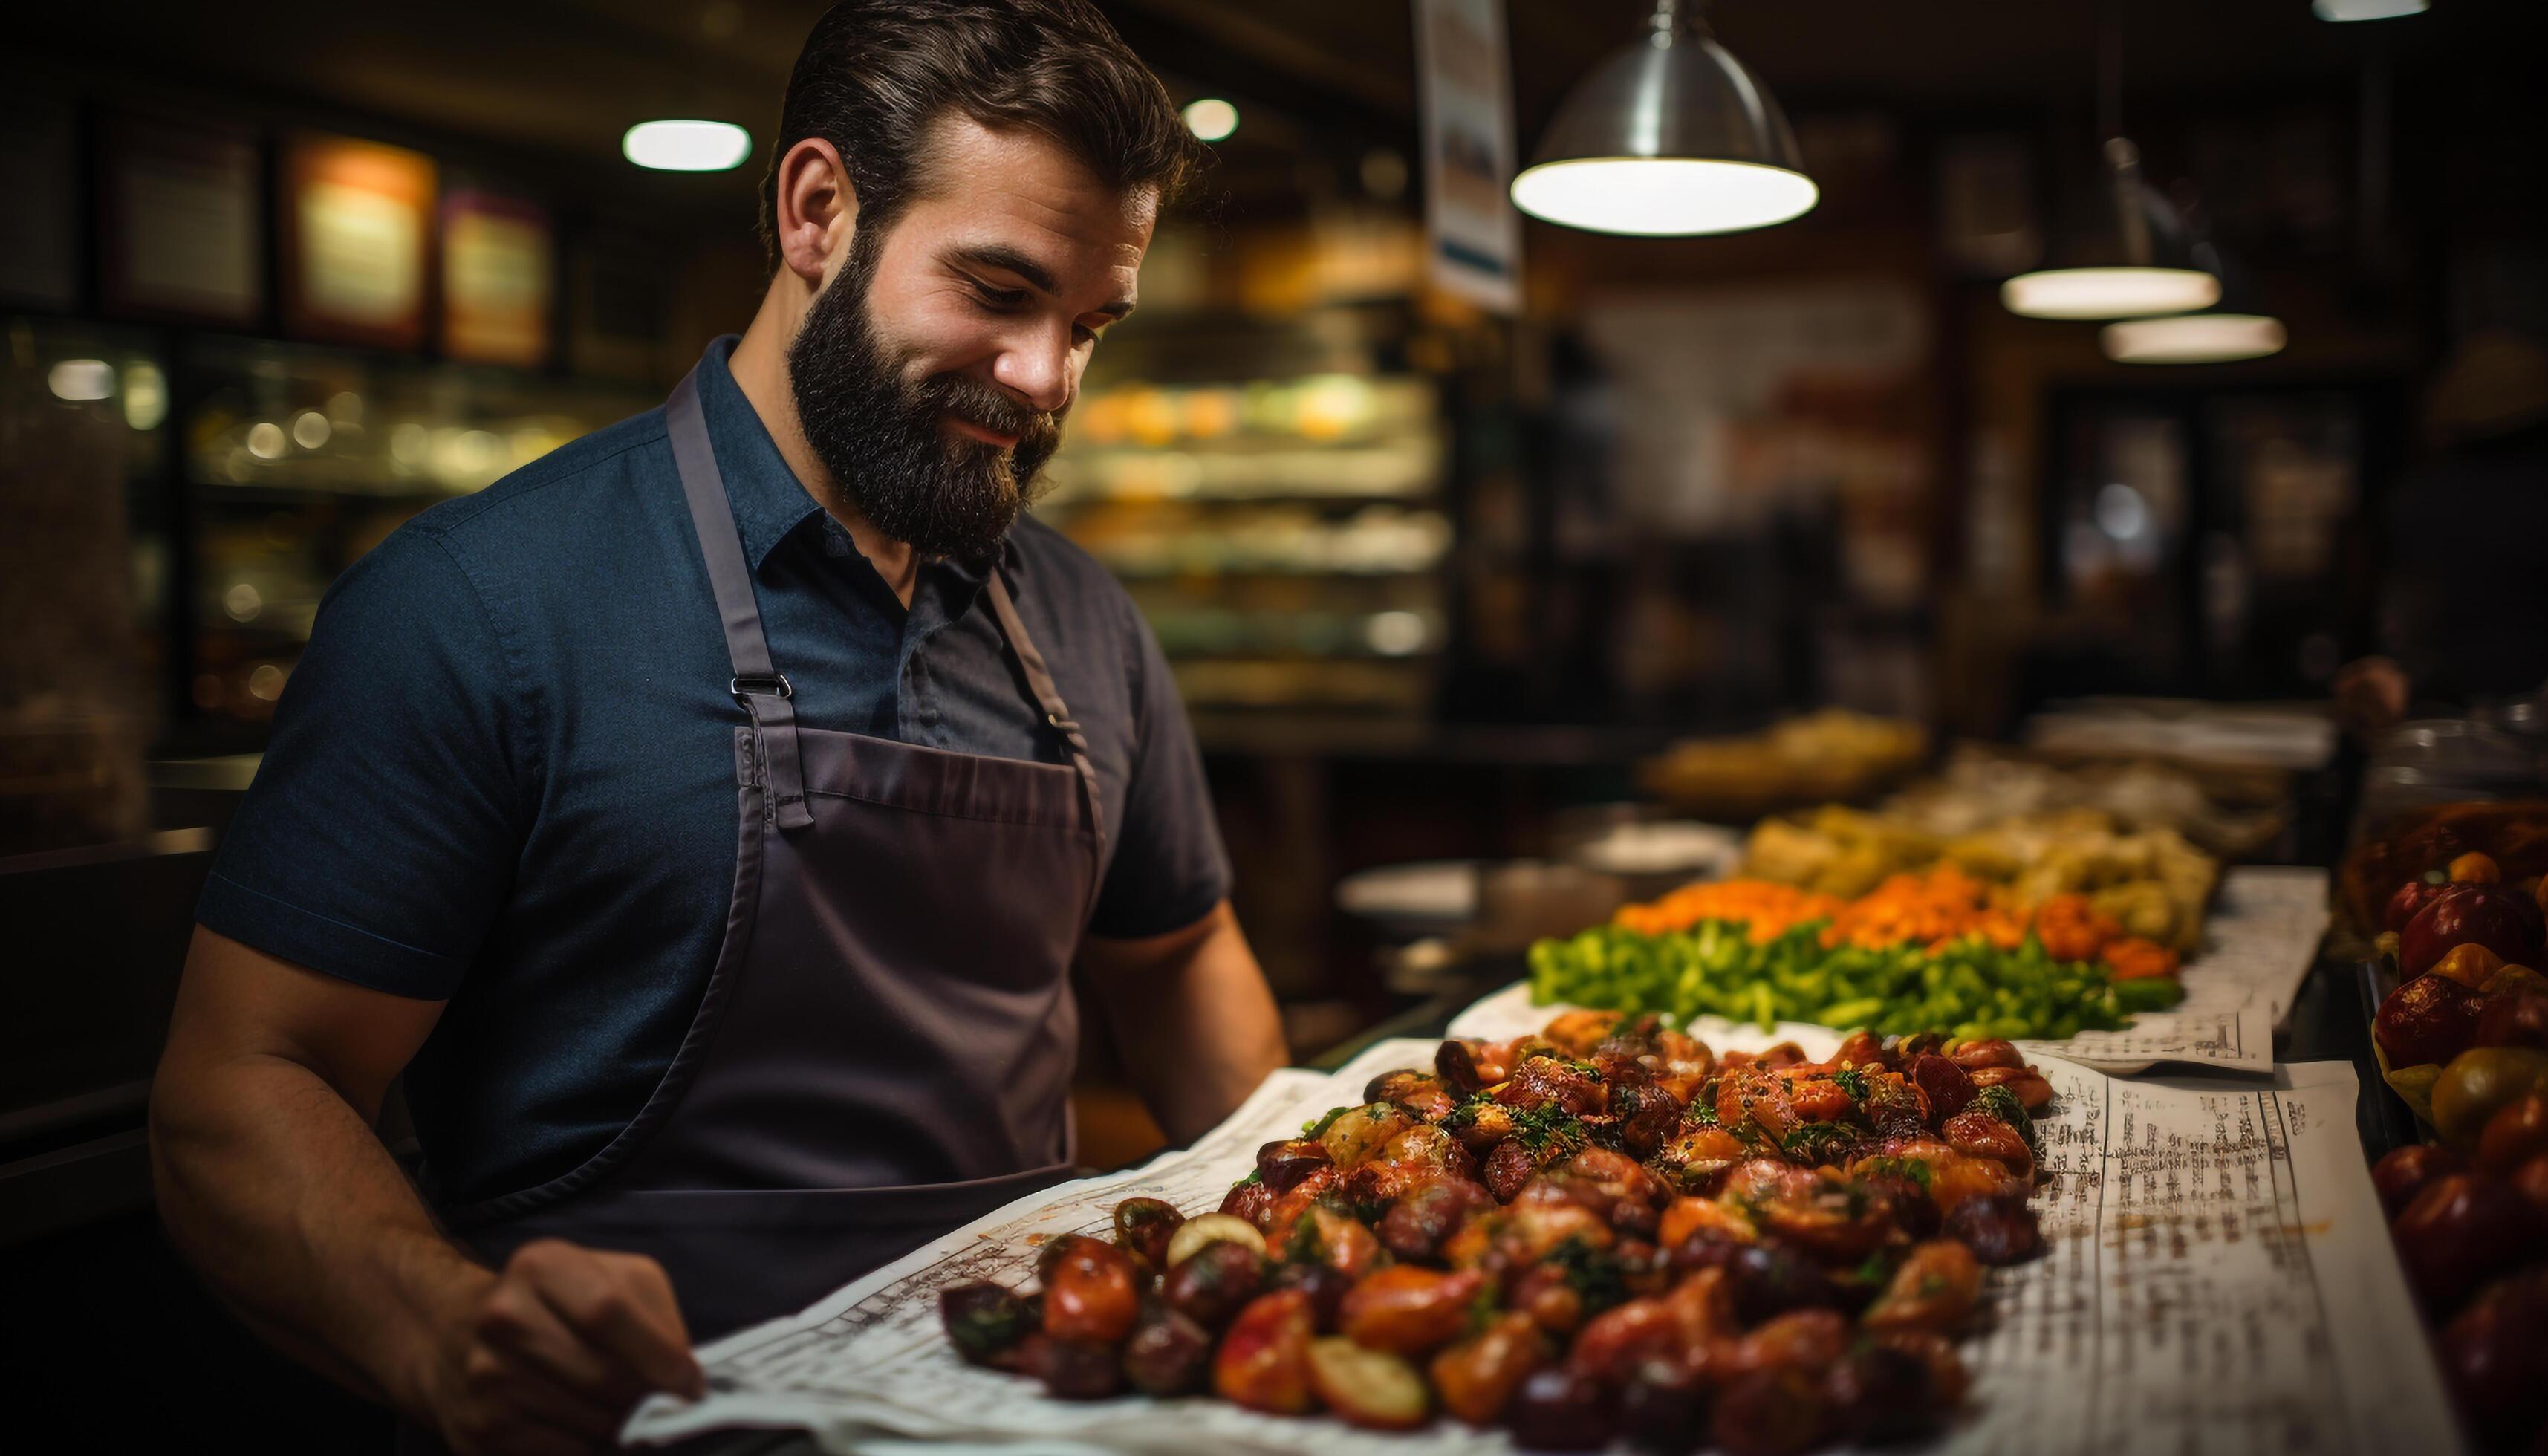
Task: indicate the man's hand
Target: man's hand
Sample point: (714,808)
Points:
(553,1352)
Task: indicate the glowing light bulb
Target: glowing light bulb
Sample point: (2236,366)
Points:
(1210,118)
(687,146)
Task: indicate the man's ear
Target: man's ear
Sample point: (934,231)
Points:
(817,209)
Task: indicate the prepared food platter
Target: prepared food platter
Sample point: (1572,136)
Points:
(1606,1231)
(1939,949)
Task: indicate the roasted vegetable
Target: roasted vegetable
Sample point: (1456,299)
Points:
(1410,1310)
(1779,1267)
(1143,1227)
(983,1320)
(1194,1234)
(1560,1409)
(1168,1354)
(1091,1293)
(1367,1387)
(1264,1359)
(1477,1376)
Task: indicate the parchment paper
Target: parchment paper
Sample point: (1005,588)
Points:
(2219,1279)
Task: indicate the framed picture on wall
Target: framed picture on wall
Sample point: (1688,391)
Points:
(181,222)
(498,279)
(355,219)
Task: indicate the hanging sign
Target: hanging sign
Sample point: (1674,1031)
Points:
(1473,235)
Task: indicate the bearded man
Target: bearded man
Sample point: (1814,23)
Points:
(704,824)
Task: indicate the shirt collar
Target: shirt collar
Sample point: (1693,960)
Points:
(769,503)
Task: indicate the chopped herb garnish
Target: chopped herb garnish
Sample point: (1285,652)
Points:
(2002,1104)
(1594,1274)
(1817,1142)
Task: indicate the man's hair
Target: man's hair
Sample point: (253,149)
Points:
(874,74)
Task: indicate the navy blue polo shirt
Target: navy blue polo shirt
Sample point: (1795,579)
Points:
(503,775)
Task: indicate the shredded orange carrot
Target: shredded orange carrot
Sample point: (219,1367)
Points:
(1932,908)
(1769,909)
(2133,960)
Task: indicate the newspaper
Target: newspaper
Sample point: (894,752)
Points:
(2259,942)
(2219,1279)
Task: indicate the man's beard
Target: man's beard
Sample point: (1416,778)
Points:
(883,436)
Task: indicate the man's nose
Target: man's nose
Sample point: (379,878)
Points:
(1036,368)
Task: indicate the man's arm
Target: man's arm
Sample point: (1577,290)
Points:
(1192,1017)
(273,1184)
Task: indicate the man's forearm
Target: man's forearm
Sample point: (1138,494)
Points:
(285,1202)
(1194,1022)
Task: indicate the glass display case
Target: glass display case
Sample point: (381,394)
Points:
(119,376)
(1272,499)
(297,460)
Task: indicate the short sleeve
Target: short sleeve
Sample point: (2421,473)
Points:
(1169,867)
(378,839)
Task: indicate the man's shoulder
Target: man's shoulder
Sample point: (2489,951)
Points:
(555,487)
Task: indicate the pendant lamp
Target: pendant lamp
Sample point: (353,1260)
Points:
(2236,327)
(2127,256)
(2345,9)
(1670,136)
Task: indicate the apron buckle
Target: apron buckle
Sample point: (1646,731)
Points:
(766,685)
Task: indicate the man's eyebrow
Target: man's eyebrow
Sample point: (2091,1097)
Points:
(1036,276)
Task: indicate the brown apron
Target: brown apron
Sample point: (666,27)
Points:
(885,1047)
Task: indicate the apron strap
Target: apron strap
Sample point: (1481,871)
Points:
(763,692)
(1049,697)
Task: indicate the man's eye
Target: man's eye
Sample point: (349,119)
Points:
(1000,297)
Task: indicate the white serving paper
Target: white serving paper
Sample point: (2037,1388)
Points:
(2219,1279)
(2258,943)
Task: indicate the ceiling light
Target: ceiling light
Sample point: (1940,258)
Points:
(2108,292)
(2126,254)
(687,146)
(1669,136)
(1210,118)
(2365,9)
(2238,326)
(2192,338)
(81,379)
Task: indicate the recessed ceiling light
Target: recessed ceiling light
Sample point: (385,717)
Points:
(687,146)
(1212,117)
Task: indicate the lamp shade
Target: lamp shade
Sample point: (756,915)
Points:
(1670,136)
(2192,338)
(2129,257)
(2236,328)
(2344,9)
